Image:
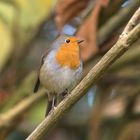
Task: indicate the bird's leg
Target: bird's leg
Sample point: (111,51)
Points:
(54,102)
(51,101)
(49,106)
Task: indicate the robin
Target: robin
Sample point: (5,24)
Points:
(60,69)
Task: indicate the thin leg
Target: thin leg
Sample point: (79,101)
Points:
(54,102)
(51,105)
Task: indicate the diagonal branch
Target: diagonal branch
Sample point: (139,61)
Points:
(132,23)
(91,78)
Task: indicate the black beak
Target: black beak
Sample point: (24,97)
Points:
(80,41)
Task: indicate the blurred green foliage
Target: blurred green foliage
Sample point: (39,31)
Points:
(19,23)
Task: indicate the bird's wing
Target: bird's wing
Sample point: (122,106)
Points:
(37,84)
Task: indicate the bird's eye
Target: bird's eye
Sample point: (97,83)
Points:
(67,40)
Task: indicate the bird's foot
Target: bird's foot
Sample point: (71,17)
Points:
(65,93)
(53,108)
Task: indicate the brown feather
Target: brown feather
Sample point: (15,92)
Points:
(37,84)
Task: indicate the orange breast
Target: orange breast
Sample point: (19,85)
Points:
(68,55)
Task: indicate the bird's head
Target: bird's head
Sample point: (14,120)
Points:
(68,51)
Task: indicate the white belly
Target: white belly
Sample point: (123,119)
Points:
(57,79)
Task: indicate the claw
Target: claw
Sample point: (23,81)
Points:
(65,93)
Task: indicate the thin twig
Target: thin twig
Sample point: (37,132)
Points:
(132,23)
(95,73)
(6,119)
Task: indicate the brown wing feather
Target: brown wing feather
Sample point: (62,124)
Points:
(37,84)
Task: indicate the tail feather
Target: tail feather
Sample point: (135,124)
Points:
(37,84)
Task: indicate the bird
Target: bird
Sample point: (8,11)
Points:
(60,68)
